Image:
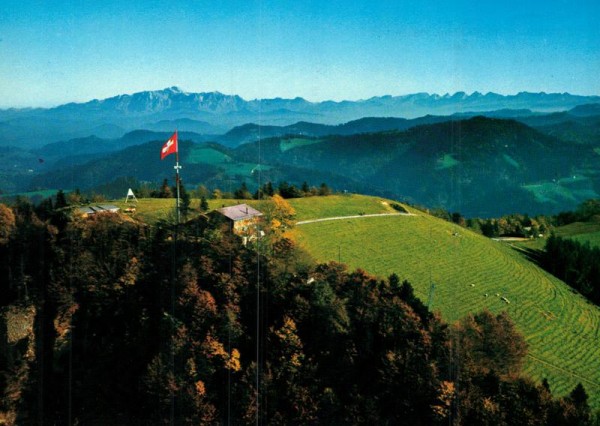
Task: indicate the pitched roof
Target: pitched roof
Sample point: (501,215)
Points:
(239,212)
(98,208)
(108,207)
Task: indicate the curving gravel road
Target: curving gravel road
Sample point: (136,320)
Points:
(304,222)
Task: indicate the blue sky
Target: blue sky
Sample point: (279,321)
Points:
(53,52)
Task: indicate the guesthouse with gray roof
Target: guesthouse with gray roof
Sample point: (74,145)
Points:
(243,219)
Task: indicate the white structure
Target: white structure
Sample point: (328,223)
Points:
(130,196)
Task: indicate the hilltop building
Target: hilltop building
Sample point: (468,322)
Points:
(243,220)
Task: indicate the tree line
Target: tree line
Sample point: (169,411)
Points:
(575,263)
(126,323)
(519,225)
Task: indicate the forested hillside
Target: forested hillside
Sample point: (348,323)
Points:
(108,320)
(481,166)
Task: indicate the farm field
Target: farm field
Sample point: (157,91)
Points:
(592,238)
(582,232)
(568,188)
(561,327)
(287,144)
(207,155)
(579,231)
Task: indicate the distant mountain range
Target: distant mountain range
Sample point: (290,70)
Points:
(478,154)
(215,113)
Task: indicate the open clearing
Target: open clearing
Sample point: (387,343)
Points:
(202,154)
(584,232)
(561,327)
(287,144)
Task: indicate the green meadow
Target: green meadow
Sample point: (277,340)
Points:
(446,162)
(583,232)
(149,210)
(593,238)
(470,273)
(568,188)
(202,154)
(287,144)
(338,205)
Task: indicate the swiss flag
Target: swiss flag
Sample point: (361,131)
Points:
(170,146)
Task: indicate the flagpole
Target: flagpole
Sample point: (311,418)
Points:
(167,149)
(177,167)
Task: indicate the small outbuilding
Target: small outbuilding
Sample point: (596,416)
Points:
(100,208)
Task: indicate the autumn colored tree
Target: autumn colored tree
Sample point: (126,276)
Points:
(7,223)
(492,343)
(278,214)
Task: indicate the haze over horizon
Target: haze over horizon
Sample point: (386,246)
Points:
(56,53)
(183,90)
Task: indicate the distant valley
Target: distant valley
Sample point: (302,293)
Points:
(509,157)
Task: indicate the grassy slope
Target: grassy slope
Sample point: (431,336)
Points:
(561,327)
(338,205)
(582,232)
(593,238)
(152,209)
(579,231)
(287,144)
(149,210)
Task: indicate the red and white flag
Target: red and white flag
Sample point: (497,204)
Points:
(170,146)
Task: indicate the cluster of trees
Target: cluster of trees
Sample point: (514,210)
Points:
(284,189)
(522,225)
(287,190)
(118,188)
(585,212)
(575,263)
(138,324)
(514,225)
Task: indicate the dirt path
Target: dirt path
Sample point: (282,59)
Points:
(304,222)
